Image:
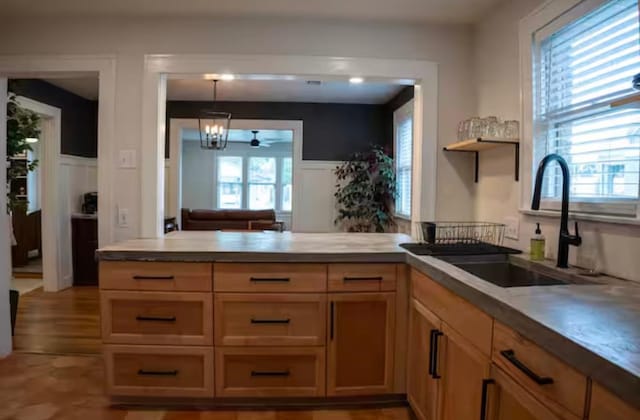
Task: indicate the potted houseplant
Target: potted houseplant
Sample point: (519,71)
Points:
(22,124)
(365,192)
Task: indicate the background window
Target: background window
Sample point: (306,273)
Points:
(229,182)
(287,190)
(579,71)
(403,141)
(262,182)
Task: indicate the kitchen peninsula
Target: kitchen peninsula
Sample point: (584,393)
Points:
(234,317)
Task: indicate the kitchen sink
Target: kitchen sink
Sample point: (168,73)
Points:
(505,271)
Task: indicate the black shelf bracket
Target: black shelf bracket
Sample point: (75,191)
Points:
(476,153)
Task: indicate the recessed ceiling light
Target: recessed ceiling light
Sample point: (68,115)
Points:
(227,76)
(31,140)
(356,80)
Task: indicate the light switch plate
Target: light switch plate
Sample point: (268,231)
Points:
(512,227)
(123,217)
(128,158)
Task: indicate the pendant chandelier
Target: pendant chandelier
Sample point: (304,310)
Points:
(214,126)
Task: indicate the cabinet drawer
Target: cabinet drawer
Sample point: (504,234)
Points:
(270,372)
(270,319)
(362,277)
(156,318)
(154,371)
(155,276)
(473,324)
(546,377)
(269,277)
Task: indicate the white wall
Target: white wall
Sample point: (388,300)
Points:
(130,39)
(498,195)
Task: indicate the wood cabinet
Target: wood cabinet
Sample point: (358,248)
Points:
(422,385)
(606,406)
(360,343)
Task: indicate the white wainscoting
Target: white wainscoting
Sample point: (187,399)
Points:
(78,175)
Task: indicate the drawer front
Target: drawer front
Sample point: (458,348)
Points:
(270,372)
(269,277)
(156,318)
(473,324)
(546,377)
(154,371)
(155,276)
(362,277)
(270,319)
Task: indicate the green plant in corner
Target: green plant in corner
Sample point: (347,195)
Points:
(21,125)
(365,191)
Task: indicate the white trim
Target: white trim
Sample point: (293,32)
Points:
(158,67)
(617,220)
(104,65)
(402,113)
(50,143)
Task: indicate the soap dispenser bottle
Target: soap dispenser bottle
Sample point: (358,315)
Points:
(537,245)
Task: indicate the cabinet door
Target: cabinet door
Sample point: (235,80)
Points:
(462,368)
(606,406)
(360,343)
(505,399)
(422,387)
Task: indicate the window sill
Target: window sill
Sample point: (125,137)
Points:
(402,217)
(617,220)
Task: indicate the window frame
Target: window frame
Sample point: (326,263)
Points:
(548,19)
(400,114)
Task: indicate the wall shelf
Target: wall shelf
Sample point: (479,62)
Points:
(477,145)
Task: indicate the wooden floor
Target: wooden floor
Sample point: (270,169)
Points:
(56,370)
(66,322)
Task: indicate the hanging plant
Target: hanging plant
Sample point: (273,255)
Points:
(365,191)
(21,125)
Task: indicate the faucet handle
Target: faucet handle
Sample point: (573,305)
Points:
(576,228)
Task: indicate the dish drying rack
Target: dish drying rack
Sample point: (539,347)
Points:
(461,233)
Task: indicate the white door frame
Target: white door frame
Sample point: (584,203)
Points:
(175,158)
(40,66)
(424,74)
(50,146)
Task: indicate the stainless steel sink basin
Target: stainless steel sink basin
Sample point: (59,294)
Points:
(505,271)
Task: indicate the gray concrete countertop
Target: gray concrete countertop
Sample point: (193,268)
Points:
(593,327)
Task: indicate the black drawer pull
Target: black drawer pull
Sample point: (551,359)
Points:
(270,373)
(510,355)
(270,321)
(169,277)
(270,280)
(376,278)
(143,372)
(156,318)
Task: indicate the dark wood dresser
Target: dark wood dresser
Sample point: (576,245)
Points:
(84,242)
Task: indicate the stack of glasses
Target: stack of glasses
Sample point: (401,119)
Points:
(488,128)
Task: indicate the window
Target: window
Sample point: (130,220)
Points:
(403,142)
(579,70)
(262,183)
(254,182)
(287,191)
(230,182)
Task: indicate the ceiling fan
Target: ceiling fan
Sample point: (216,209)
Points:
(255,142)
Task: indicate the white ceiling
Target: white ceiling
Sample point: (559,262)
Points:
(282,91)
(333,91)
(450,11)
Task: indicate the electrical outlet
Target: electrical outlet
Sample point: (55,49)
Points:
(512,228)
(123,217)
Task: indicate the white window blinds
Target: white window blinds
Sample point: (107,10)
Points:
(403,129)
(579,71)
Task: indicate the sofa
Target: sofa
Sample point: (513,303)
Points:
(230,219)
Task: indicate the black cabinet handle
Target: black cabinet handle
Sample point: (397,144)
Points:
(431,339)
(169,277)
(331,321)
(376,278)
(510,355)
(270,373)
(143,372)
(270,321)
(156,318)
(270,280)
(433,361)
(483,402)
